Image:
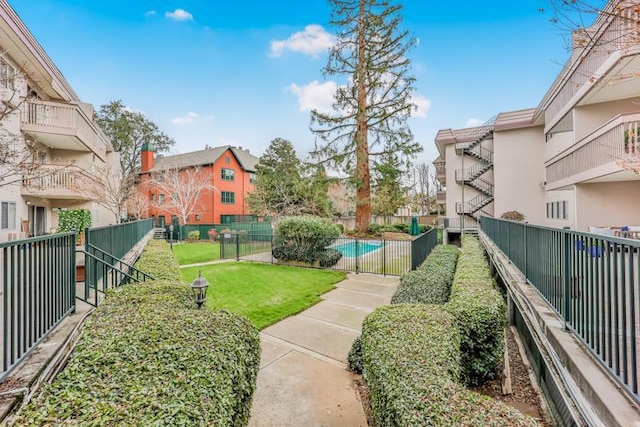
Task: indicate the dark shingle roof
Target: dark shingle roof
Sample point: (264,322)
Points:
(206,157)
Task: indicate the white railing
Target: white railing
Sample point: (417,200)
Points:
(52,178)
(441,197)
(614,35)
(616,141)
(37,115)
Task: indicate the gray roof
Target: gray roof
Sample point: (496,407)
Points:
(207,156)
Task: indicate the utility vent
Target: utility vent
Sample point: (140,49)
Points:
(542,184)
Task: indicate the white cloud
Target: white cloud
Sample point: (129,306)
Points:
(189,118)
(421,106)
(473,123)
(150,13)
(312,41)
(179,15)
(315,95)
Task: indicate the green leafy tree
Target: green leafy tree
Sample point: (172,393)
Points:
(371,109)
(316,190)
(128,131)
(388,195)
(278,181)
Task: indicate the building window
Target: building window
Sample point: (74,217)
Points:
(228,174)
(548,210)
(197,217)
(152,197)
(228,197)
(252,177)
(565,209)
(7,75)
(161,199)
(227,160)
(8,216)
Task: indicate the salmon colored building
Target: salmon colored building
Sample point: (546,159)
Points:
(230,169)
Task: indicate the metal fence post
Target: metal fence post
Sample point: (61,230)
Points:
(357,264)
(384,257)
(72,272)
(237,246)
(526,268)
(566,273)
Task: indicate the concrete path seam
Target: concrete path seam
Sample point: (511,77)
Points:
(359,291)
(304,350)
(331,324)
(275,360)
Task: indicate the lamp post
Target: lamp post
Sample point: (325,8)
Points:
(199,287)
(171,237)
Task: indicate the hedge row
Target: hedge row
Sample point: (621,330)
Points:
(148,357)
(158,261)
(410,354)
(306,239)
(480,313)
(431,282)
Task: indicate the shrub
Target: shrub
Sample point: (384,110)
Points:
(329,257)
(431,282)
(303,238)
(194,235)
(148,357)
(74,219)
(341,228)
(374,228)
(213,234)
(402,228)
(480,312)
(410,357)
(158,261)
(354,359)
(424,228)
(513,216)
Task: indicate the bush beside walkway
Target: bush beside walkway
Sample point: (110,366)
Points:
(148,357)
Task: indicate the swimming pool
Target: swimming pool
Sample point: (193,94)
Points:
(349,249)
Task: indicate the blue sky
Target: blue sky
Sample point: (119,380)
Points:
(243,73)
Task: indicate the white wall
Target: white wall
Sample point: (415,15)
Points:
(591,117)
(519,172)
(607,204)
(565,201)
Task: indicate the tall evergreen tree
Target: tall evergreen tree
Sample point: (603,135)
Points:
(388,195)
(371,110)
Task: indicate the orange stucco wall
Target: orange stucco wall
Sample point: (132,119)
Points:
(212,207)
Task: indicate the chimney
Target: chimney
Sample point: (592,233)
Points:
(147,160)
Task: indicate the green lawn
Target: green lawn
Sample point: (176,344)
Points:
(264,293)
(191,253)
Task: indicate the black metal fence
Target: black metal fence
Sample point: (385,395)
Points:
(378,256)
(38,291)
(590,280)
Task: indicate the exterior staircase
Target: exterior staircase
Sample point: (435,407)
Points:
(473,175)
(159,233)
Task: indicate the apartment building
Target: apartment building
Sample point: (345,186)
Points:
(573,160)
(229,172)
(49,142)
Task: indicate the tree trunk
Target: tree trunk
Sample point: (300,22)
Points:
(363,192)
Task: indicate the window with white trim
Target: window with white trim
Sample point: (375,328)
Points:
(8,215)
(228,174)
(7,74)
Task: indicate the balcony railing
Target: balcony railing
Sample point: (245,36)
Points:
(52,120)
(614,34)
(441,197)
(54,182)
(441,171)
(617,141)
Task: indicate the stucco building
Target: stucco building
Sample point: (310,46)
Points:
(568,162)
(230,173)
(50,142)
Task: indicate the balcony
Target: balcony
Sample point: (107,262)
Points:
(55,182)
(605,154)
(441,197)
(441,174)
(602,70)
(62,126)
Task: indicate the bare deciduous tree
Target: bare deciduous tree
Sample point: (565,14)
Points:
(106,186)
(137,204)
(182,189)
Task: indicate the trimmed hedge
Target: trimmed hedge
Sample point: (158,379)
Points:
(431,282)
(329,257)
(158,261)
(480,312)
(354,358)
(148,357)
(410,356)
(304,238)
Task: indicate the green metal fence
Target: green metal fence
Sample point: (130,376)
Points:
(255,228)
(38,291)
(118,239)
(590,280)
(377,256)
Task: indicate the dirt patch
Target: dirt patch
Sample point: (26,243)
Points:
(396,236)
(524,397)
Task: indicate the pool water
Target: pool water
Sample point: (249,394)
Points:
(349,249)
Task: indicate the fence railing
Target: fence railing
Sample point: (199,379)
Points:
(590,280)
(38,291)
(378,256)
(118,239)
(254,227)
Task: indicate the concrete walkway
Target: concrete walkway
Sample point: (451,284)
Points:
(303,379)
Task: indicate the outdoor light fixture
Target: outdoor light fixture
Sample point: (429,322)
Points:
(199,287)
(171,237)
